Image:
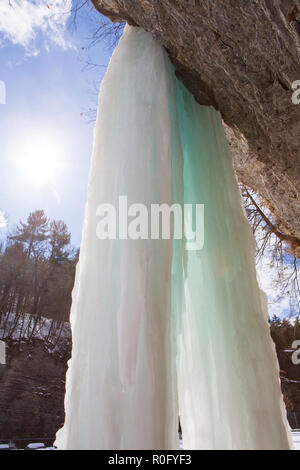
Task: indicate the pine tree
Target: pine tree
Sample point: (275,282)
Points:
(37,268)
(33,233)
(59,239)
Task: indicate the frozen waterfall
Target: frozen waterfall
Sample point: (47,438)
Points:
(160,331)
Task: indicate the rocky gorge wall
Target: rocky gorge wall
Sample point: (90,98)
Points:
(32,388)
(241,57)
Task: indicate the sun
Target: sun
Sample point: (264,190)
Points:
(38,158)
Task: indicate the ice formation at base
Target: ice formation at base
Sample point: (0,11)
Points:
(159,331)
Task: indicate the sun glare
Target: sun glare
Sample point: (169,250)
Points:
(38,160)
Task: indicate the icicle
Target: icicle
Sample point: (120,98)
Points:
(229,390)
(145,310)
(119,380)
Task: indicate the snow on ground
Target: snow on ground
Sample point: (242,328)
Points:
(55,334)
(296,439)
(295,436)
(41,446)
(35,445)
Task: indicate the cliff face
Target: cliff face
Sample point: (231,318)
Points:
(32,393)
(242,58)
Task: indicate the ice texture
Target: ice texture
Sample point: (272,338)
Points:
(228,378)
(160,331)
(119,383)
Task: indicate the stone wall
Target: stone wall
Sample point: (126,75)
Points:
(32,387)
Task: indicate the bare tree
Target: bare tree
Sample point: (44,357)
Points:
(275,247)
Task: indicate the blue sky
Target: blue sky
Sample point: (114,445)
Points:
(48,90)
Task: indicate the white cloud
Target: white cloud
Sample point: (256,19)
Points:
(22,20)
(3,221)
(278,305)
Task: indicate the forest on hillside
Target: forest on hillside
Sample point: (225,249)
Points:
(284,331)
(37,269)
